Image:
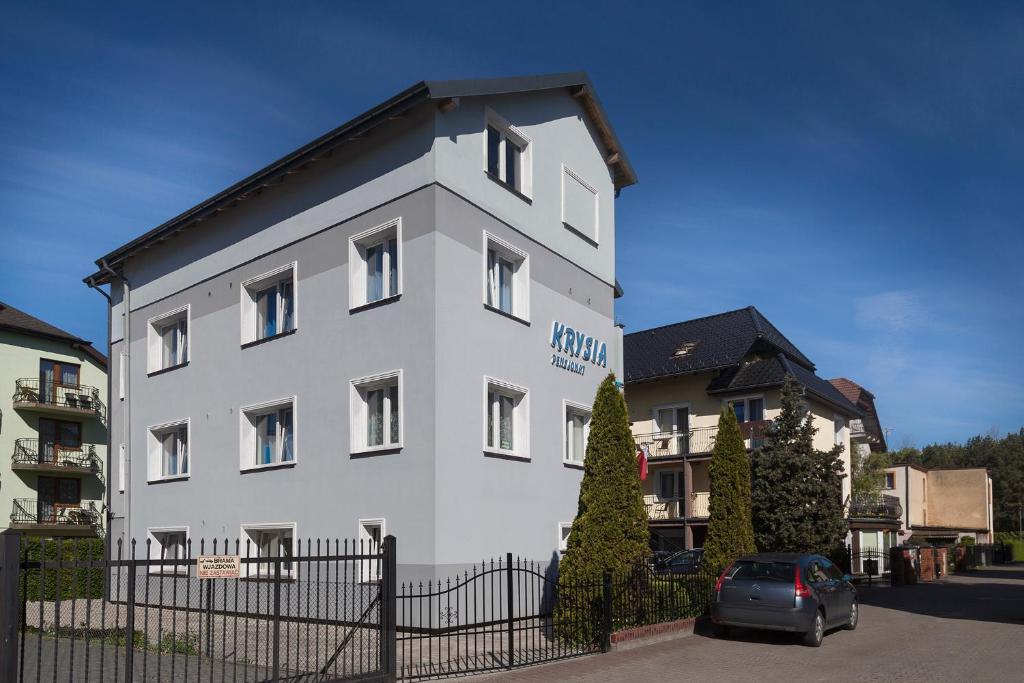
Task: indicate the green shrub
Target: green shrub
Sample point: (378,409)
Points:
(730,530)
(180,644)
(74,582)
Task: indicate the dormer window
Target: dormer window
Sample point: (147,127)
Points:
(685,349)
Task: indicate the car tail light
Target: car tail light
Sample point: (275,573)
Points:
(718,584)
(802,590)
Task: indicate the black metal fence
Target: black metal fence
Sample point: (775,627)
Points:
(312,610)
(513,612)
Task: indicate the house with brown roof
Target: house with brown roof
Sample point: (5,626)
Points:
(52,428)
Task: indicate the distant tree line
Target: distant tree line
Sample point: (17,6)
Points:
(1004,458)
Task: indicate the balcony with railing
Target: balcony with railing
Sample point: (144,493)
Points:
(41,516)
(52,397)
(696,442)
(665,509)
(33,455)
(874,506)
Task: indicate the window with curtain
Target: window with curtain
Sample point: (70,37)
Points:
(275,309)
(577,426)
(274,435)
(507,155)
(500,273)
(375,264)
(505,419)
(382,414)
(268,543)
(506,277)
(174,451)
(174,343)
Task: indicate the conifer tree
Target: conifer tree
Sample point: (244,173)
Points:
(796,491)
(610,529)
(730,532)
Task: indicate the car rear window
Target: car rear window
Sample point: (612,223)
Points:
(762,571)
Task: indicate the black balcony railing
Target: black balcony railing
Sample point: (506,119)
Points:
(697,441)
(32,511)
(874,506)
(34,392)
(29,452)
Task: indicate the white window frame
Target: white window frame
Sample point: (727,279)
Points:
(746,404)
(154,450)
(248,291)
(569,175)
(257,570)
(370,570)
(156,550)
(567,407)
(520,419)
(508,132)
(563,541)
(359,411)
(656,426)
(358,267)
(885,481)
(154,342)
(248,442)
(520,276)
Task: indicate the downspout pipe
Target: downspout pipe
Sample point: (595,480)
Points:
(125,373)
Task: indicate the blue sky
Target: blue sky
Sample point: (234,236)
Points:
(853,170)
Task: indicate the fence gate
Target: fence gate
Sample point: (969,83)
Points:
(498,615)
(281,610)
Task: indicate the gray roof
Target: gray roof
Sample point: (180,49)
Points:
(577,82)
(719,341)
(16,320)
(747,349)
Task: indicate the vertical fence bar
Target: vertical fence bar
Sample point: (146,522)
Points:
(508,608)
(277,619)
(606,612)
(129,599)
(388,612)
(10,548)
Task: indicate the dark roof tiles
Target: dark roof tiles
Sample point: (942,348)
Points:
(17,320)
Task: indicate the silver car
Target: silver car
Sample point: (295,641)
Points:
(804,594)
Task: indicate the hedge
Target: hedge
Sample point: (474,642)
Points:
(83,582)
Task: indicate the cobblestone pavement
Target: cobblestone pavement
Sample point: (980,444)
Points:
(967,627)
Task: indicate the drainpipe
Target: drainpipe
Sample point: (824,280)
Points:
(109,490)
(125,362)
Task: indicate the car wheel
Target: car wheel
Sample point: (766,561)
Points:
(854,616)
(814,637)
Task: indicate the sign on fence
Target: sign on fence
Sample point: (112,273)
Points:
(218,566)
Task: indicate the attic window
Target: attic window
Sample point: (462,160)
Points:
(685,349)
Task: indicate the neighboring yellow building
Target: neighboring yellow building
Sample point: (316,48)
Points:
(678,378)
(52,429)
(942,506)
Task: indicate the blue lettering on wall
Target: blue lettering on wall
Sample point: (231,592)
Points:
(577,344)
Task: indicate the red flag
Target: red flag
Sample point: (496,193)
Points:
(641,459)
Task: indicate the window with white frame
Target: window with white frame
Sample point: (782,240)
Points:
(579,204)
(371,538)
(564,530)
(269,305)
(748,409)
(506,418)
(269,544)
(375,260)
(268,434)
(506,277)
(376,412)
(577,430)
(167,544)
(169,456)
(167,340)
(508,154)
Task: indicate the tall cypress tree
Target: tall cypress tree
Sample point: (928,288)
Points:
(610,529)
(730,532)
(796,491)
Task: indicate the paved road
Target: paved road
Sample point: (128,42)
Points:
(963,628)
